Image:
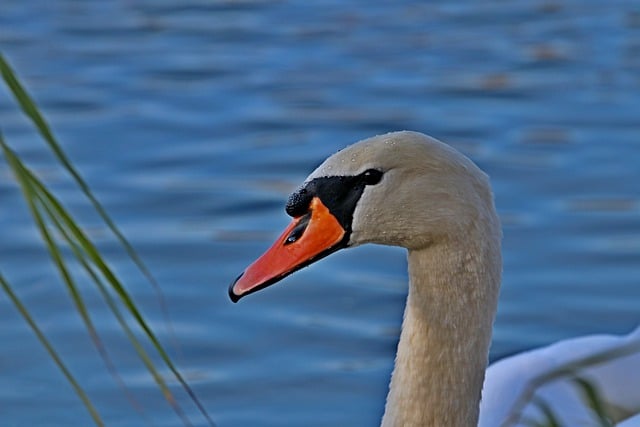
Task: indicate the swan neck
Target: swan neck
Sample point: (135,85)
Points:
(446,332)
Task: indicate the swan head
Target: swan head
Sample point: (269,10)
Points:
(401,189)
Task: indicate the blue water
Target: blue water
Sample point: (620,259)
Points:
(193,120)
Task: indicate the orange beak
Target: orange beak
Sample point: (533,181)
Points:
(308,238)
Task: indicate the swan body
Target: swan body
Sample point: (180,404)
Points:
(407,189)
(617,380)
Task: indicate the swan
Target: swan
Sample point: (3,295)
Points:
(410,190)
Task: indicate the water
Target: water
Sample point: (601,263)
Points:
(192,121)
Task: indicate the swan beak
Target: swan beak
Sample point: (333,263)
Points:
(307,239)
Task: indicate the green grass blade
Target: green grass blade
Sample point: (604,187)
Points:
(31,110)
(24,179)
(30,197)
(142,353)
(92,252)
(54,355)
(34,189)
(566,371)
(594,399)
(89,248)
(530,422)
(550,419)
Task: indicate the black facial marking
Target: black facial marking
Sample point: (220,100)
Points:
(339,194)
(298,203)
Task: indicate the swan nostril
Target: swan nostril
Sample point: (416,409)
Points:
(295,235)
(298,230)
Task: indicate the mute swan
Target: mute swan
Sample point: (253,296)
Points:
(407,189)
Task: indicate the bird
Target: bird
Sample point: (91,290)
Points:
(410,190)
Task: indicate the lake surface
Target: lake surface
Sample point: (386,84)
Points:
(192,121)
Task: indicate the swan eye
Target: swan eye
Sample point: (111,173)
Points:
(371,176)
